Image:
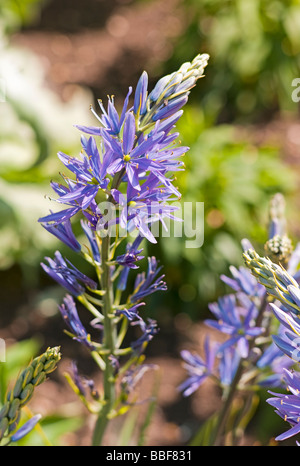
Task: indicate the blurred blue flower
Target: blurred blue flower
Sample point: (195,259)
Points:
(289,340)
(236,321)
(82,382)
(149,329)
(229,361)
(26,428)
(243,280)
(273,361)
(288,406)
(198,369)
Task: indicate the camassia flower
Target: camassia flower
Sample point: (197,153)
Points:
(235,320)
(63,231)
(146,284)
(243,280)
(288,406)
(70,315)
(69,277)
(198,369)
(121,184)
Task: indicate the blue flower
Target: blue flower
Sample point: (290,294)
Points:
(243,281)
(69,277)
(146,284)
(109,119)
(141,209)
(288,406)
(198,369)
(236,321)
(70,315)
(289,340)
(63,231)
(140,96)
(134,158)
(149,329)
(83,382)
(273,361)
(90,234)
(228,365)
(131,313)
(131,255)
(26,428)
(90,173)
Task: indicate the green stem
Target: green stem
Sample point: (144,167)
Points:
(109,331)
(223,416)
(109,340)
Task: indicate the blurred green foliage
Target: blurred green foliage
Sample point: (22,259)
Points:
(254,49)
(33,128)
(17,13)
(235,180)
(255,54)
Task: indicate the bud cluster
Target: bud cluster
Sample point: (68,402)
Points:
(21,393)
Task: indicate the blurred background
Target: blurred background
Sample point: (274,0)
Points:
(241,123)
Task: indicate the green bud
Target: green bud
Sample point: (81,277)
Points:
(18,387)
(38,368)
(279,249)
(3,427)
(50,366)
(39,379)
(12,426)
(13,409)
(27,376)
(4,410)
(26,394)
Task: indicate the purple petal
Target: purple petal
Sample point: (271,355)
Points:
(128,134)
(26,428)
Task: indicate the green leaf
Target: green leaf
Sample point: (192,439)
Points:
(204,435)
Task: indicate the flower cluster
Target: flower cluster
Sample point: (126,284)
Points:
(119,186)
(238,319)
(280,279)
(261,339)
(287,406)
(137,148)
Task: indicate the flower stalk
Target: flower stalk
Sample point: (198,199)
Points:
(123,183)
